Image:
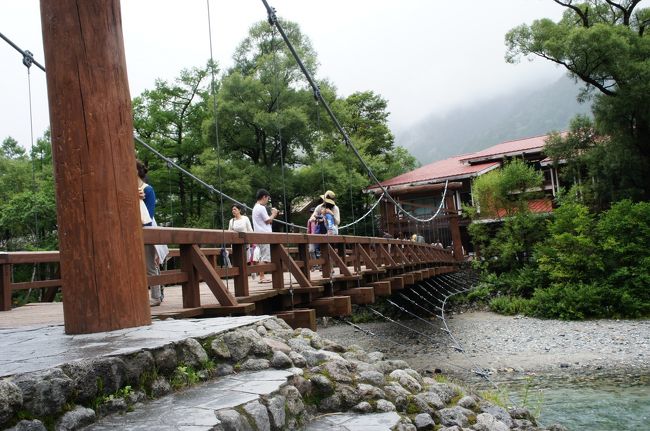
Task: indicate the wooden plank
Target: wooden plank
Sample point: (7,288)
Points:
(211,277)
(175,276)
(382,288)
(402,256)
(292,267)
(98,219)
(409,279)
(38,284)
(360,295)
(228,310)
(30,257)
(304,318)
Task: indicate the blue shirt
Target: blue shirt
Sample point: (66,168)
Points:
(150,201)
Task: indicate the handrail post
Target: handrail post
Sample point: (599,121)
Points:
(191,291)
(277,277)
(5,286)
(239,260)
(303,254)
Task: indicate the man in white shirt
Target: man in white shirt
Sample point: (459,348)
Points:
(262,223)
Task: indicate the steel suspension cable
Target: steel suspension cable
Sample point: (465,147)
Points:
(225,259)
(272,17)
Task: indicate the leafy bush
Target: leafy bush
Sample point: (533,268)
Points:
(509,305)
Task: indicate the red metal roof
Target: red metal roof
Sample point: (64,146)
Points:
(535,143)
(439,171)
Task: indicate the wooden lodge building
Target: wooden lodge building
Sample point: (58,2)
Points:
(420,191)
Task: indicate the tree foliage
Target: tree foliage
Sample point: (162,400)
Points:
(604,44)
(507,189)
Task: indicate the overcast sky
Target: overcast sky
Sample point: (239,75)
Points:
(422,55)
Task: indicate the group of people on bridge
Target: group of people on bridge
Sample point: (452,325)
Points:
(325,219)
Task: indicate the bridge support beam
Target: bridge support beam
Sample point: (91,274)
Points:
(100,234)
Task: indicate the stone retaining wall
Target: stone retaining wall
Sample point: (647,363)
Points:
(325,377)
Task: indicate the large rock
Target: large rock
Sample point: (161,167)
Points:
(165,358)
(498,412)
(297,359)
(11,399)
(219,348)
(322,384)
(487,422)
(239,343)
(277,345)
(370,392)
(432,399)
(372,377)
(455,416)
(75,419)
(445,391)
(280,360)
(29,425)
(136,365)
(98,376)
(44,392)
(294,405)
(255,364)
(277,414)
(385,406)
(259,415)
(190,352)
(231,420)
(386,367)
(300,344)
(424,421)
(406,380)
(339,371)
(349,395)
(317,357)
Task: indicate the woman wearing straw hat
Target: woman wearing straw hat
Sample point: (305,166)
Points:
(327,202)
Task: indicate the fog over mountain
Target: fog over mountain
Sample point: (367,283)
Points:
(529,112)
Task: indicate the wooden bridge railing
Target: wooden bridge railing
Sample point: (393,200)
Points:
(198,250)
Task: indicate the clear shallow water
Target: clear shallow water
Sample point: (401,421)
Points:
(602,404)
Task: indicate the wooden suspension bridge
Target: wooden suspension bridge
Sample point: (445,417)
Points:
(101,268)
(351,270)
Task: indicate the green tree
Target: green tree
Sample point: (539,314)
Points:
(170,117)
(604,44)
(506,189)
(11,149)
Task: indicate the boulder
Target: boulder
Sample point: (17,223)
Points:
(190,352)
(424,421)
(44,393)
(259,415)
(75,419)
(11,399)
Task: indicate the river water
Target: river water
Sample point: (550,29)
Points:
(601,403)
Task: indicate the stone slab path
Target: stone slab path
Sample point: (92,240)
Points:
(194,409)
(41,347)
(354,422)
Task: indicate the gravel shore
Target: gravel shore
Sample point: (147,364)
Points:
(509,347)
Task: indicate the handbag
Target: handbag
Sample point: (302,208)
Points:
(144,213)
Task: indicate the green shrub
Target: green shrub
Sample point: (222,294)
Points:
(509,305)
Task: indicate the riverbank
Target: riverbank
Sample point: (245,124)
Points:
(510,347)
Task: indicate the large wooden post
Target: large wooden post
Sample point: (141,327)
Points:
(456,240)
(100,235)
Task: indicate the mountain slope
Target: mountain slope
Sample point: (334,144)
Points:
(522,115)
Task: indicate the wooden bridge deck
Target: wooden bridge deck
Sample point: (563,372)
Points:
(361,269)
